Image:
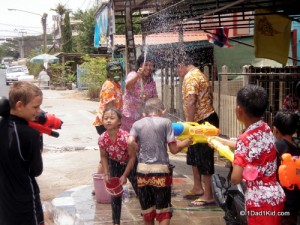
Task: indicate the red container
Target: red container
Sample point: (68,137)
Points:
(102,196)
(114,187)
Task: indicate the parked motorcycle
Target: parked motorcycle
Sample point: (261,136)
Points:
(230,198)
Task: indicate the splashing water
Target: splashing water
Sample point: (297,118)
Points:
(54,215)
(145,53)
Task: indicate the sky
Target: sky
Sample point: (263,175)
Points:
(15,23)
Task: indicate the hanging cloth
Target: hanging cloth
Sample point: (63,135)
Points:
(219,37)
(272,34)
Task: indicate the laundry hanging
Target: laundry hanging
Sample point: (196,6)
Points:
(219,37)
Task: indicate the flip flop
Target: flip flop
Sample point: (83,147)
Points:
(190,195)
(199,202)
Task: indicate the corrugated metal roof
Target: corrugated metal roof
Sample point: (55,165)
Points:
(160,16)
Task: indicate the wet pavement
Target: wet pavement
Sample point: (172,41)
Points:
(75,166)
(78,206)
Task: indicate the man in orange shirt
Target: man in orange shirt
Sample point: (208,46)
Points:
(198,107)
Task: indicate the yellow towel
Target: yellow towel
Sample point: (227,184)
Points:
(272,34)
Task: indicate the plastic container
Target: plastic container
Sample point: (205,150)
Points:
(126,193)
(114,187)
(102,196)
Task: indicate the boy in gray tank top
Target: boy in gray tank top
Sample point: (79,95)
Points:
(154,134)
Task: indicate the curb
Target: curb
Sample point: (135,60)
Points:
(55,148)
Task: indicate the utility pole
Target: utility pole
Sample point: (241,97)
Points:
(21,43)
(44,24)
(22,55)
(130,46)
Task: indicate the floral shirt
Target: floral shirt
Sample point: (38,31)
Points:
(256,147)
(291,102)
(195,82)
(134,101)
(110,91)
(116,149)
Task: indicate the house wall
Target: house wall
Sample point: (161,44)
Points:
(236,57)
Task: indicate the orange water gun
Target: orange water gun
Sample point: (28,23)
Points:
(43,129)
(45,123)
(198,132)
(289,171)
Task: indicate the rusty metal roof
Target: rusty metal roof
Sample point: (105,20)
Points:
(169,15)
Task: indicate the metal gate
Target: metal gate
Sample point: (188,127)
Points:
(81,72)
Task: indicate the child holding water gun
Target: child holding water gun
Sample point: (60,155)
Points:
(284,127)
(153,134)
(264,197)
(21,158)
(117,157)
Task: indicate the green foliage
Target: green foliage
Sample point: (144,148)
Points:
(121,26)
(34,68)
(61,73)
(95,74)
(84,41)
(10,48)
(93,91)
(60,9)
(67,34)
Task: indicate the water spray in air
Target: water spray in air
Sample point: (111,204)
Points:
(145,53)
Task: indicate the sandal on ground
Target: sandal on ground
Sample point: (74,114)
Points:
(190,195)
(200,202)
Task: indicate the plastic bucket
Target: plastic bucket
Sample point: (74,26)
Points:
(102,196)
(114,187)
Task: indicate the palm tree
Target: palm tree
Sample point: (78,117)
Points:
(61,11)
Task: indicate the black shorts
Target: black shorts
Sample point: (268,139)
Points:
(100,129)
(155,196)
(201,155)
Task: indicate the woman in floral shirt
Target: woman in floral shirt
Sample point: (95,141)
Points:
(264,197)
(110,94)
(139,87)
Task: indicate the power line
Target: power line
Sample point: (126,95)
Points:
(82,4)
(13,25)
(66,3)
(26,30)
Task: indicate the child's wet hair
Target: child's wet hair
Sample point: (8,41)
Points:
(286,122)
(253,99)
(154,105)
(119,114)
(141,59)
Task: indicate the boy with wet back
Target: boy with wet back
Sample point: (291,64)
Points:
(153,134)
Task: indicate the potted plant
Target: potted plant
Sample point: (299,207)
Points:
(69,79)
